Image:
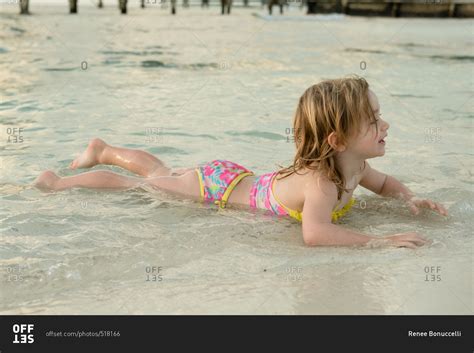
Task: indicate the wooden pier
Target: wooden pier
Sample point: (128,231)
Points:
(393,8)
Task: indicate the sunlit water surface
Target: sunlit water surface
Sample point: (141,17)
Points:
(199,86)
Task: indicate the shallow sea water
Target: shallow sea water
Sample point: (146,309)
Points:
(199,86)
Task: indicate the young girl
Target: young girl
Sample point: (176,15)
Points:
(337,127)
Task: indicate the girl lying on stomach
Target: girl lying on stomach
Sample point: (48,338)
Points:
(337,128)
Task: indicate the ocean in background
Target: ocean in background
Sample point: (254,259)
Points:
(200,86)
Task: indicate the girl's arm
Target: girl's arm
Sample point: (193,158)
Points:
(320,200)
(387,186)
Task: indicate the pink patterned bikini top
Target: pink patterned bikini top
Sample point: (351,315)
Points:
(262,196)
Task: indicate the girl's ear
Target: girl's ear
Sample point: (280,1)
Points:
(334,142)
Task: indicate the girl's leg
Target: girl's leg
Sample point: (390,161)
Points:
(186,185)
(96,179)
(136,161)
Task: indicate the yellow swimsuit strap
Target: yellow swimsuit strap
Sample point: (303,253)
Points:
(231,187)
(339,213)
(201,184)
(298,215)
(292,213)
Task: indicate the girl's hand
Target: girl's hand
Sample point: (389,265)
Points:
(408,240)
(415,203)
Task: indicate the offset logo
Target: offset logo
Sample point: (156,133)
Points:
(23,333)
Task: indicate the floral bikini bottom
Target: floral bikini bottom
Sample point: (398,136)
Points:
(218,178)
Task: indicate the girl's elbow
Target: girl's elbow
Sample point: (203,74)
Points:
(312,239)
(316,235)
(311,242)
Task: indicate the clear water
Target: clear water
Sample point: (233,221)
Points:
(200,86)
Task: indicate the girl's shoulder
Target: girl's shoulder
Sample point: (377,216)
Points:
(298,182)
(291,189)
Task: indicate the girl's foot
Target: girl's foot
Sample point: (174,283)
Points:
(91,156)
(46,180)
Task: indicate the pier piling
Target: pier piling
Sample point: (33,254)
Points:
(226,6)
(72,6)
(123,6)
(24,4)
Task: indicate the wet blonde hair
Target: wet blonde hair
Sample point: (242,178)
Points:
(338,105)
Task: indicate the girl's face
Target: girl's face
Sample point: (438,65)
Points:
(370,141)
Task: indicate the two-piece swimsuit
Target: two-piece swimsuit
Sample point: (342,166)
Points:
(219,177)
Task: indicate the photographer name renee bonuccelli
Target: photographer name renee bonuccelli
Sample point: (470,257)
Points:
(434,334)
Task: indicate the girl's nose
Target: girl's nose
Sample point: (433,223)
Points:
(386,125)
